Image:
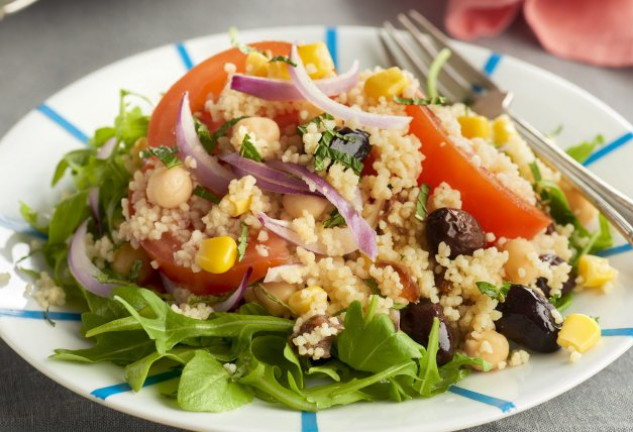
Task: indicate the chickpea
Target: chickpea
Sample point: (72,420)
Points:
(262,127)
(583,209)
(279,290)
(124,259)
(169,188)
(489,345)
(295,205)
(519,268)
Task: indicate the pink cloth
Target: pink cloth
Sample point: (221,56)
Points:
(592,31)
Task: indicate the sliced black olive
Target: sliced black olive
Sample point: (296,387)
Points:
(356,143)
(568,286)
(416,320)
(527,319)
(457,228)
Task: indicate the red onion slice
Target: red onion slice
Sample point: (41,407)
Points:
(208,170)
(93,201)
(364,235)
(268,178)
(311,93)
(282,90)
(237,295)
(284,230)
(83,270)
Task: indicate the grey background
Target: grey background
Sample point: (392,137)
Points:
(55,42)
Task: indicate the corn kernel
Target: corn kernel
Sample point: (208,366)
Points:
(595,271)
(257,64)
(311,298)
(317,60)
(579,332)
(387,83)
(502,130)
(217,254)
(278,70)
(239,206)
(474,126)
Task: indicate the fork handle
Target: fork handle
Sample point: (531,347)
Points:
(617,207)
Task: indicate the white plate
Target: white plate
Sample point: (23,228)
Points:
(29,151)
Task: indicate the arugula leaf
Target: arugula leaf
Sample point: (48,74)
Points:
(136,373)
(429,375)
(283,59)
(31,217)
(494,292)
(205,385)
(248,149)
(437,100)
(167,155)
(69,213)
(581,152)
(370,342)
(242,242)
(131,124)
(604,239)
(334,220)
(206,194)
(210,140)
(420,205)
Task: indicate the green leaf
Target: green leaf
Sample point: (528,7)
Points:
(206,194)
(370,342)
(205,385)
(334,220)
(118,348)
(434,72)
(248,149)
(561,303)
(242,242)
(233,36)
(437,100)
(31,217)
(581,152)
(210,140)
(420,204)
(68,214)
(604,239)
(167,155)
(283,59)
(131,124)
(492,291)
(136,373)
(429,375)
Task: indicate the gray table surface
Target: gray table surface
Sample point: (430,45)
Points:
(55,42)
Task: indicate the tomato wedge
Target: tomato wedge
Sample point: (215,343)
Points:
(208,78)
(496,208)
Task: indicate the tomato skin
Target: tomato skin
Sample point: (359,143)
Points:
(496,208)
(204,79)
(204,283)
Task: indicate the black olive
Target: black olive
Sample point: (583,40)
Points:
(457,228)
(568,286)
(356,143)
(527,319)
(416,320)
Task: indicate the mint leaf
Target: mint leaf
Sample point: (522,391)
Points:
(283,59)
(248,149)
(210,140)
(167,155)
(437,100)
(420,205)
(334,220)
(233,36)
(206,194)
(561,303)
(494,292)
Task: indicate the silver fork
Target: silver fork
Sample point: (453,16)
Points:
(460,81)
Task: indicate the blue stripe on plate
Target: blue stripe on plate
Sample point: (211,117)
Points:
(605,150)
(20,227)
(331,40)
(309,422)
(503,405)
(184,55)
(105,392)
(616,250)
(618,332)
(492,63)
(33,314)
(63,122)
